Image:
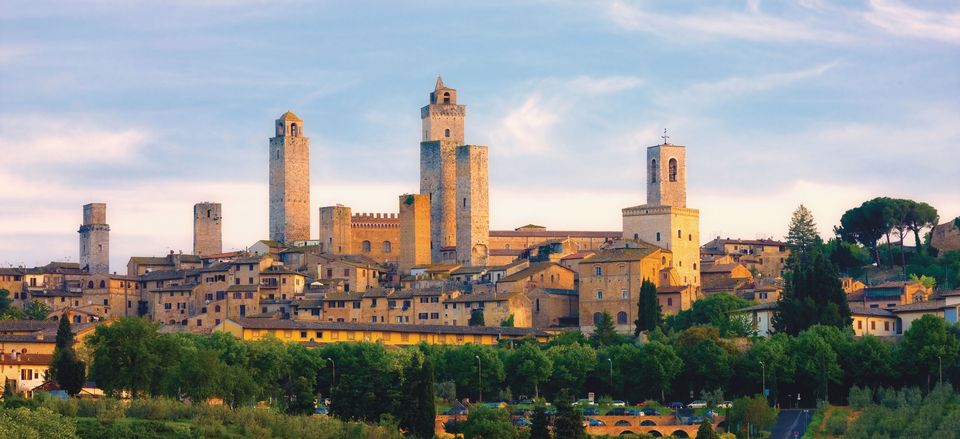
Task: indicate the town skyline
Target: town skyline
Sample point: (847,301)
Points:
(824,128)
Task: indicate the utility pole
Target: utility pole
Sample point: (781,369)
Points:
(333,381)
(940,360)
(479,378)
(763,381)
(610,360)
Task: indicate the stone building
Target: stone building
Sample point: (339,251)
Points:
(336,230)
(95,239)
(414,231)
(665,220)
(207,229)
(473,221)
(766,257)
(946,236)
(289,181)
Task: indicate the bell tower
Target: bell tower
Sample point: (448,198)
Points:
(442,118)
(289,181)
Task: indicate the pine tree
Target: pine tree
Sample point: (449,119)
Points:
(67,369)
(419,412)
(812,295)
(605,333)
(802,231)
(569,421)
(648,309)
(539,428)
(706,431)
(476,318)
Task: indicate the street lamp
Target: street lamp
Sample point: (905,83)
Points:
(610,360)
(940,360)
(479,377)
(763,379)
(334,379)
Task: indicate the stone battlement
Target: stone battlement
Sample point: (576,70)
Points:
(369,220)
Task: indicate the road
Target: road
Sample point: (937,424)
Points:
(791,424)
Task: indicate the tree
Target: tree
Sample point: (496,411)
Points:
(527,367)
(802,231)
(419,410)
(928,343)
(476,318)
(125,357)
(67,369)
(540,424)
(605,333)
(487,423)
(866,224)
(5,301)
(715,310)
(706,431)
(460,365)
(706,365)
(648,308)
(507,322)
(568,423)
(752,412)
(812,295)
(920,216)
(572,364)
(817,363)
(660,366)
(36,310)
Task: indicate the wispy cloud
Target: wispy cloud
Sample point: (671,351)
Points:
(749,24)
(709,92)
(526,129)
(897,18)
(33,140)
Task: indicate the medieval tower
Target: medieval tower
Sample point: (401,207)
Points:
(414,231)
(336,230)
(207,230)
(95,239)
(454,178)
(665,220)
(289,181)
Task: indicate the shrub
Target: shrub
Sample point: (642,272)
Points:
(108,410)
(860,397)
(837,424)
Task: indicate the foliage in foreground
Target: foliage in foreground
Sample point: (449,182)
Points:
(906,413)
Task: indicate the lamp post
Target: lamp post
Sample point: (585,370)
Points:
(940,367)
(479,378)
(333,380)
(610,360)
(763,379)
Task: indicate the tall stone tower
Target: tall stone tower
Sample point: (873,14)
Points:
(207,231)
(414,231)
(95,239)
(289,181)
(473,218)
(665,220)
(442,121)
(336,229)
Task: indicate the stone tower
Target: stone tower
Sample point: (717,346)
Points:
(665,220)
(289,181)
(414,231)
(95,239)
(207,231)
(336,229)
(473,219)
(438,181)
(443,119)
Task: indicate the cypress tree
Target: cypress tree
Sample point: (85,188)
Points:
(67,369)
(539,428)
(419,415)
(706,431)
(648,309)
(605,333)
(569,421)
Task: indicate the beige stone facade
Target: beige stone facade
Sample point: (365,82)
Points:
(289,181)
(473,221)
(376,236)
(95,239)
(946,236)
(766,257)
(414,231)
(336,230)
(207,229)
(537,275)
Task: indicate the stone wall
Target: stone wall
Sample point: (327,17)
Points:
(414,231)
(377,236)
(207,231)
(95,239)
(290,186)
(670,228)
(472,195)
(438,180)
(336,229)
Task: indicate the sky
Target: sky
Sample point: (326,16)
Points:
(151,107)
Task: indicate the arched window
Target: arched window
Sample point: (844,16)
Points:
(621,318)
(672,169)
(596,318)
(663,260)
(653,171)
(279,128)
(103,284)
(216,308)
(365,246)
(90,284)
(387,247)
(294,130)
(446,98)
(446,132)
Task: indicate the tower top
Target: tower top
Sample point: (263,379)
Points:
(442,94)
(665,137)
(439,83)
(289,116)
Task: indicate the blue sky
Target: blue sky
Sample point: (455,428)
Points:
(152,106)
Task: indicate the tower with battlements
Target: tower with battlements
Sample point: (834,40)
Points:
(95,239)
(207,230)
(665,220)
(289,181)
(336,230)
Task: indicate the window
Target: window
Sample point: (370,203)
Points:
(672,169)
(90,284)
(287,334)
(597,271)
(658,236)
(679,234)
(387,247)
(446,100)
(319,334)
(356,305)
(653,171)
(434,315)
(886,326)
(669,301)
(599,295)
(859,324)
(365,246)
(624,294)
(596,318)
(167,306)
(294,130)
(303,334)
(621,318)
(873,326)
(373,319)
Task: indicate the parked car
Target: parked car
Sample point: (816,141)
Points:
(694,420)
(698,404)
(591,411)
(521,422)
(725,405)
(582,402)
(650,412)
(676,405)
(623,411)
(522,412)
(618,403)
(595,422)
(322,410)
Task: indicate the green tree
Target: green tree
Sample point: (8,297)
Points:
(605,332)
(67,369)
(802,231)
(648,308)
(572,364)
(36,310)
(527,367)
(659,367)
(715,310)
(866,224)
(540,424)
(125,357)
(920,216)
(419,410)
(460,365)
(928,343)
(706,431)
(486,423)
(507,322)
(748,413)
(706,365)
(770,362)
(476,318)
(848,257)
(568,423)
(812,295)
(817,363)
(5,301)
(869,362)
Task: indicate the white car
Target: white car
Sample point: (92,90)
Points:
(618,403)
(698,404)
(725,405)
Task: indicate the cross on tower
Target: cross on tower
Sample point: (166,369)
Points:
(665,136)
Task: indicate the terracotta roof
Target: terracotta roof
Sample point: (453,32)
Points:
(578,255)
(220,266)
(26,359)
(248,323)
(769,242)
(173,288)
(470,270)
(290,116)
(726,284)
(167,274)
(479,297)
(717,268)
(861,311)
(532,270)
(553,234)
(54,293)
(26,325)
(560,291)
(276,269)
(668,289)
(338,295)
(505,252)
(623,254)
(12,271)
(932,305)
